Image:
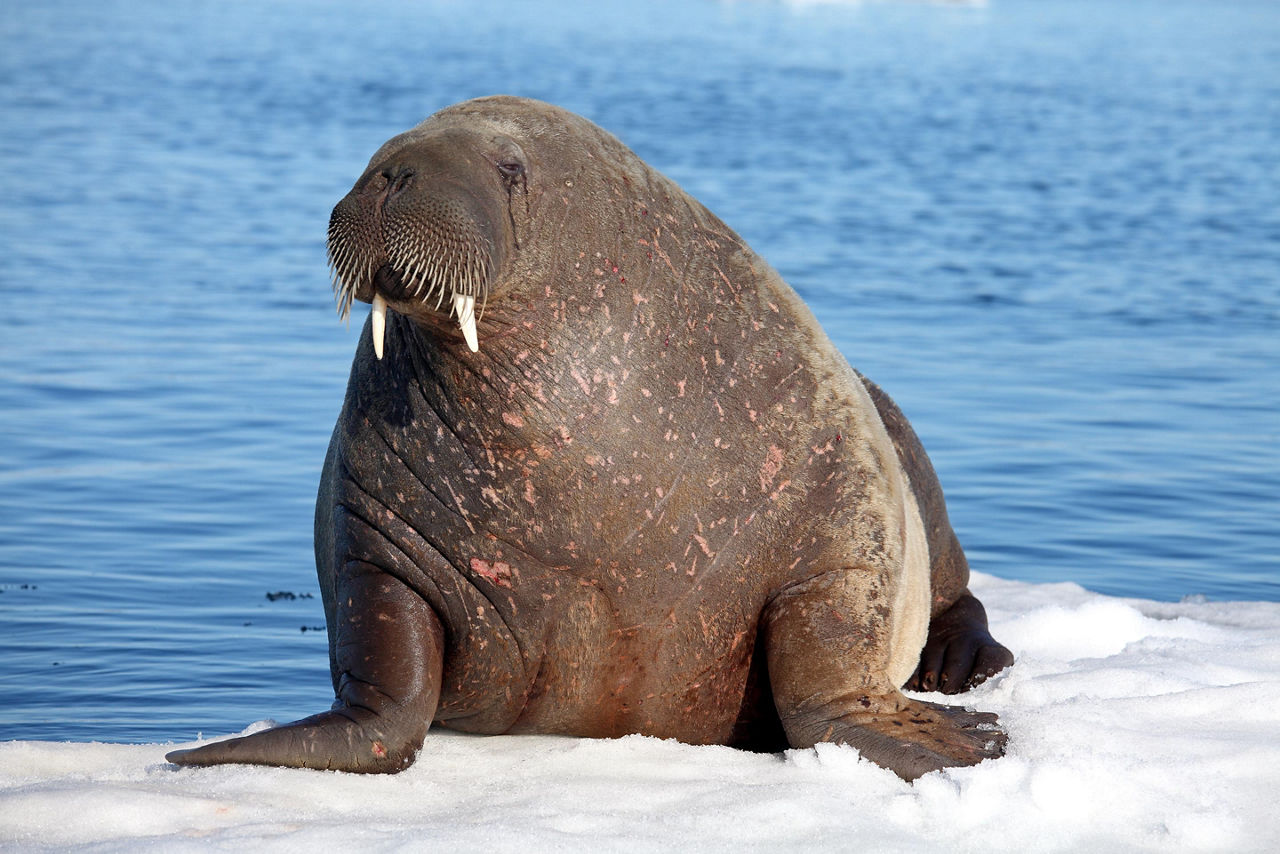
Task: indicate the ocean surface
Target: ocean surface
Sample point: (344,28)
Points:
(1049,228)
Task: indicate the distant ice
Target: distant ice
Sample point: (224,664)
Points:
(1134,726)
(804,3)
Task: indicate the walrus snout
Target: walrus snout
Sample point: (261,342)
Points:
(418,239)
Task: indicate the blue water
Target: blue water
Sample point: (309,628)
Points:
(1050,228)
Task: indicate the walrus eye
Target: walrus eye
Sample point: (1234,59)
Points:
(510,168)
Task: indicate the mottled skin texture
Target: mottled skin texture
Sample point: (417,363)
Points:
(657,500)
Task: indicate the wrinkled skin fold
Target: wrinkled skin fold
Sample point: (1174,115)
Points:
(599,471)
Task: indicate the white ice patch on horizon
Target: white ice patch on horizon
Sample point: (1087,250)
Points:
(806,4)
(1133,725)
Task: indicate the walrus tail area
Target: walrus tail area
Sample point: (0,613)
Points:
(957,652)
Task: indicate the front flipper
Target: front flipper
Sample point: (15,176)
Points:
(960,651)
(388,653)
(828,644)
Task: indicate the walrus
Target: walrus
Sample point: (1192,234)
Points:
(599,471)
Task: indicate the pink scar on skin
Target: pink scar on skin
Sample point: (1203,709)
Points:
(498,572)
(772,465)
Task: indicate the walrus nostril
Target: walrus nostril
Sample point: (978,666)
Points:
(398,179)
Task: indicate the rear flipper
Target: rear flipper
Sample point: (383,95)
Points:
(388,655)
(959,652)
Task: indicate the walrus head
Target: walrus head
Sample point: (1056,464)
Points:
(494,202)
(427,227)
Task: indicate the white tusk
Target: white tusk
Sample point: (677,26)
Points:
(464,308)
(379,325)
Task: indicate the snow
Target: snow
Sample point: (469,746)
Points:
(1134,725)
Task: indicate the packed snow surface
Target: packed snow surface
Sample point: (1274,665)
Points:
(1134,725)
